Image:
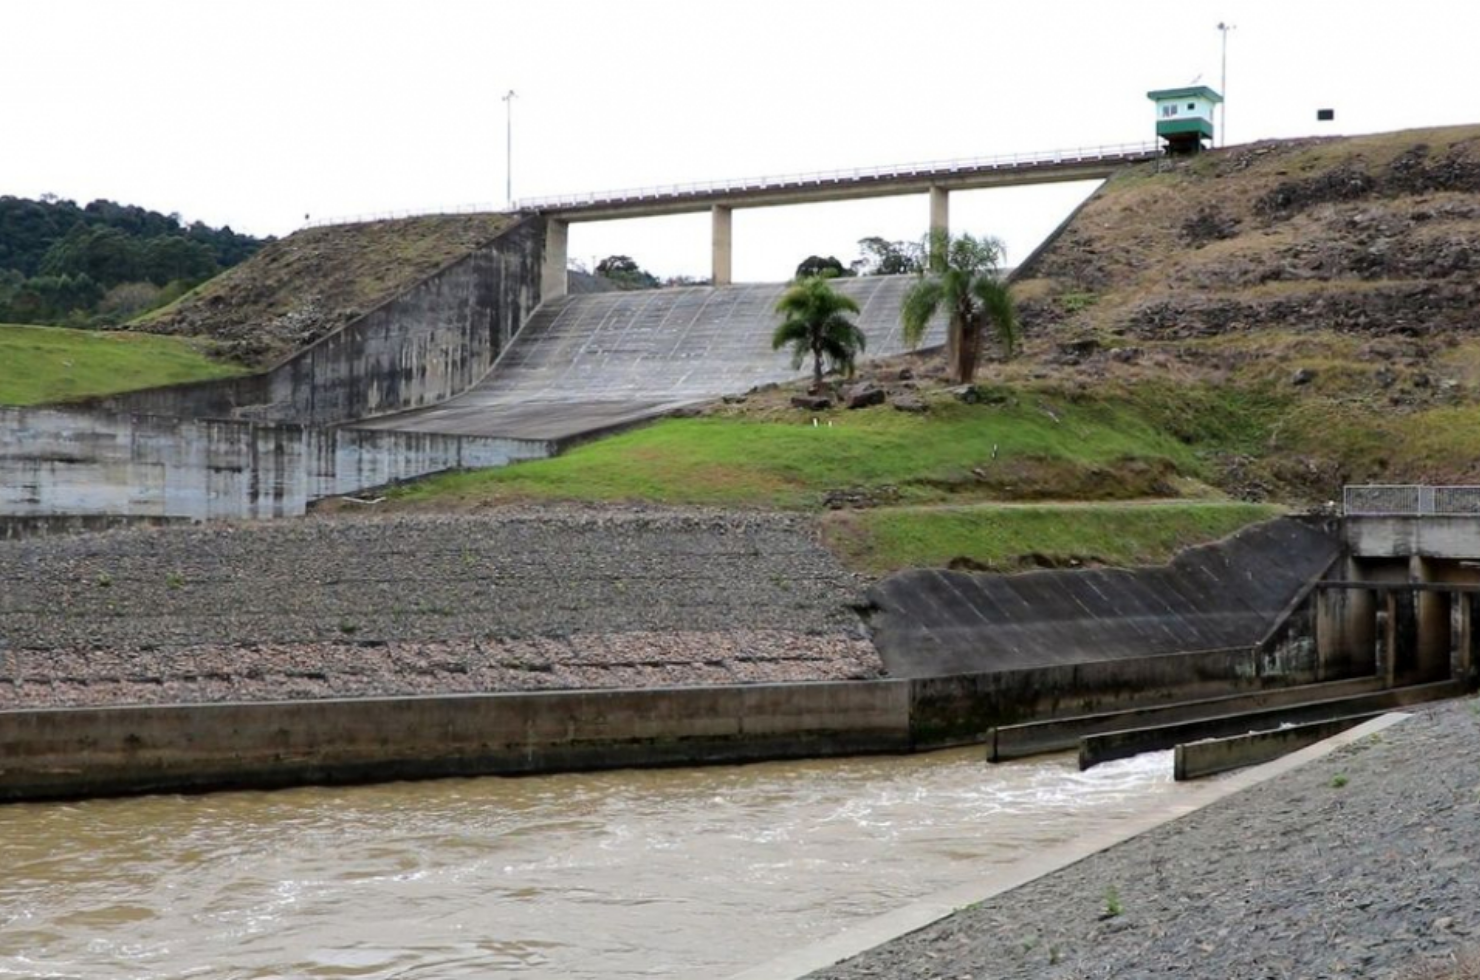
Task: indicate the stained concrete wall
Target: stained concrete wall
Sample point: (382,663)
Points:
(55,462)
(420,348)
(1227,595)
(1402,537)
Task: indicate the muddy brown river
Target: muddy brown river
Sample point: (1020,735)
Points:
(670,873)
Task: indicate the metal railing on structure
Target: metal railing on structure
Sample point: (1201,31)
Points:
(1127,152)
(1410,500)
(1109,153)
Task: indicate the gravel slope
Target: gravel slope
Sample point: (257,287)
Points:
(1363,864)
(522,599)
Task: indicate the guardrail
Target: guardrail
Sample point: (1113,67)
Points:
(1410,500)
(1113,152)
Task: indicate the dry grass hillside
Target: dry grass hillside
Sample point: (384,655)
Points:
(300,288)
(1328,286)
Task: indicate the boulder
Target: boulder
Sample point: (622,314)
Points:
(863,396)
(812,403)
(966,393)
(910,403)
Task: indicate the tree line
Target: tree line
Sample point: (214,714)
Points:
(103,263)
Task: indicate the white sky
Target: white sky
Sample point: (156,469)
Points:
(256,112)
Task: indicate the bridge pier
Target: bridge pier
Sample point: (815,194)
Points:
(940,210)
(1346,629)
(720,240)
(557,255)
(1431,610)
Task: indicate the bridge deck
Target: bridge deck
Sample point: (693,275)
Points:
(1004,171)
(587,363)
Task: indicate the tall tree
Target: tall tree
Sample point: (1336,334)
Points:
(963,277)
(815,321)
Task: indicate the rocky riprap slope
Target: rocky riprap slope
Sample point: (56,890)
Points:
(1376,235)
(303,287)
(519,600)
(1315,303)
(1360,864)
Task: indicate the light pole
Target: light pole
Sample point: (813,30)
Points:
(509,148)
(1224,28)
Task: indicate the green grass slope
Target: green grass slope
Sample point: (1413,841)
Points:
(46,364)
(1012,537)
(1032,447)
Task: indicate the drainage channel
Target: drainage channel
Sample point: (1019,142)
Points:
(660,873)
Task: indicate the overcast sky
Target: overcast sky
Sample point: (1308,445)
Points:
(256,113)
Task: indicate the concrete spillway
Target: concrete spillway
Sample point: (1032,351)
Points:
(586,363)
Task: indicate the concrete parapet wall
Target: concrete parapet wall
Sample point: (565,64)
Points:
(138,749)
(426,345)
(58,463)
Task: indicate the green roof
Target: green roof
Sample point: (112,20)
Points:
(1191,92)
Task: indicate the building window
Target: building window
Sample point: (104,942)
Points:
(1192,105)
(1168,110)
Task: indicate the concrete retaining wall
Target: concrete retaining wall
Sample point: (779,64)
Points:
(60,462)
(420,348)
(96,751)
(88,752)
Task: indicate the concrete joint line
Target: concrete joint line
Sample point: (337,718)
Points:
(927,911)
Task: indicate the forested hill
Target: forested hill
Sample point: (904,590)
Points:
(104,263)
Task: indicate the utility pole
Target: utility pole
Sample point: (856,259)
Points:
(1224,28)
(509,147)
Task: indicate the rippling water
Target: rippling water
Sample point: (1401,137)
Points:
(665,873)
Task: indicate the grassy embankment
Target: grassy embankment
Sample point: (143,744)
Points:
(946,487)
(46,364)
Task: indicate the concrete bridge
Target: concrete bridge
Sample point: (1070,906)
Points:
(721,199)
(1408,587)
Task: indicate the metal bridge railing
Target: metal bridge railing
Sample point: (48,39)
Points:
(1410,500)
(1127,152)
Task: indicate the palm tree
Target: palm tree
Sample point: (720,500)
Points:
(963,276)
(815,321)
